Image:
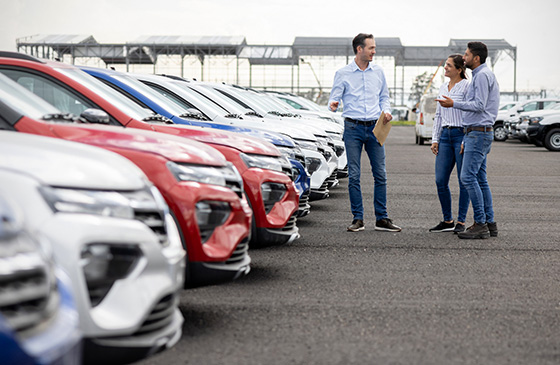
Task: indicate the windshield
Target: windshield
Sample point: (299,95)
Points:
(310,104)
(120,101)
(199,101)
(151,94)
(552,106)
(23,100)
(218,98)
(254,103)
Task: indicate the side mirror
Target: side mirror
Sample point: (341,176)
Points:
(95,116)
(520,110)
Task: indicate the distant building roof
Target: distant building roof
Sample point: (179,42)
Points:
(57,39)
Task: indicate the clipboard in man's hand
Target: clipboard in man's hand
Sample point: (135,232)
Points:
(381,129)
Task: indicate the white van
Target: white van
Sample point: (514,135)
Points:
(425,118)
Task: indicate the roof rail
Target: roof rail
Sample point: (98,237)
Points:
(21,56)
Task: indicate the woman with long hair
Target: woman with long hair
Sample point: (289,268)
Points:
(447,137)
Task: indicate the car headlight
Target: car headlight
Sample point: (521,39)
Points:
(288,152)
(197,173)
(535,120)
(103,203)
(306,145)
(104,264)
(312,164)
(264,162)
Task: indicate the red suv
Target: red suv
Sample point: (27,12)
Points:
(201,188)
(266,173)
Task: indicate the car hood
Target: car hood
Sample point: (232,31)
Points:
(67,164)
(223,124)
(539,113)
(238,141)
(170,147)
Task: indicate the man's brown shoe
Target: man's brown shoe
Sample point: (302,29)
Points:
(476,231)
(357,225)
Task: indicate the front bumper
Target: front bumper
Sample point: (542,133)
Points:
(275,226)
(319,174)
(182,199)
(120,319)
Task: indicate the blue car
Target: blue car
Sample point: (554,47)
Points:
(159,104)
(38,317)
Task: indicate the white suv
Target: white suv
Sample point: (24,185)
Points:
(93,205)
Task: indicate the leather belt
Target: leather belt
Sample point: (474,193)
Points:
(367,123)
(479,129)
(451,127)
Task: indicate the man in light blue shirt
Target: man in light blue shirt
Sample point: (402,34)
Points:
(480,109)
(362,88)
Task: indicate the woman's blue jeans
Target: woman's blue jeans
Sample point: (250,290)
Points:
(449,155)
(356,138)
(473,174)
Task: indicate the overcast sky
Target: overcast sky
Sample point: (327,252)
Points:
(531,26)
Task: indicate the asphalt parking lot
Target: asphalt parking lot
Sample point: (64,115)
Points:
(414,297)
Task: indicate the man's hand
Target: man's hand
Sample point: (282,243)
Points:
(334,105)
(435,148)
(388,118)
(462,148)
(446,102)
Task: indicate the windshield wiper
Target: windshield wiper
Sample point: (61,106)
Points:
(158,118)
(194,116)
(253,113)
(233,116)
(63,117)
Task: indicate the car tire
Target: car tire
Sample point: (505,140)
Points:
(552,140)
(500,133)
(421,141)
(416,140)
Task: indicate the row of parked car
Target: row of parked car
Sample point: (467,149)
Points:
(118,190)
(534,121)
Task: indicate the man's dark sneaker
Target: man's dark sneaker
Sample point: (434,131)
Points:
(459,227)
(476,231)
(443,227)
(357,225)
(386,224)
(493,228)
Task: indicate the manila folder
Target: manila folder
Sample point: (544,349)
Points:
(381,130)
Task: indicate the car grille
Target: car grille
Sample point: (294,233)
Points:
(155,221)
(331,180)
(291,223)
(240,252)
(160,316)
(28,291)
(303,208)
(320,193)
(236,186)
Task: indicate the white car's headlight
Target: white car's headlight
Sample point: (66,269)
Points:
(197,173)
(265,162)
(306,145)
(103,203)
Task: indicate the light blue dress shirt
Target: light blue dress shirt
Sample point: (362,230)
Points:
(480,107)
(364,94)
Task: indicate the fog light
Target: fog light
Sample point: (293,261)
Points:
(209,216)
(104,264)
(272,193)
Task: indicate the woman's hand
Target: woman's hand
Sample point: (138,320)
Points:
(434,148)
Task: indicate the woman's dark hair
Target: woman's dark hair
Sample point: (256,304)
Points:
(459,64)
(478,49)
(360,40)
